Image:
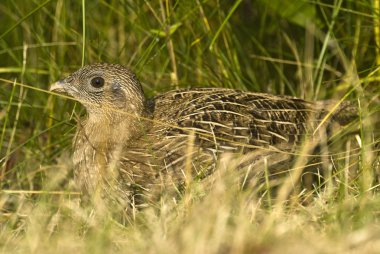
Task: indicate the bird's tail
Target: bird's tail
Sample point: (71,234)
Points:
(341,112)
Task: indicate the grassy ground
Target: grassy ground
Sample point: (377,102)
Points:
(309,49)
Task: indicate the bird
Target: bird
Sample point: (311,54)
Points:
(129,146)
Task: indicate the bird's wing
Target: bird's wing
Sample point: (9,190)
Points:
(229,120)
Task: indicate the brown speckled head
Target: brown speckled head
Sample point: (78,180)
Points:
(103,87)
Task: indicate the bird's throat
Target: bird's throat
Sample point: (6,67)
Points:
(105,133)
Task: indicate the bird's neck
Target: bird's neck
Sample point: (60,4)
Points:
(107,131)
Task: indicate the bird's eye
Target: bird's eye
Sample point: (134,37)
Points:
(97,82)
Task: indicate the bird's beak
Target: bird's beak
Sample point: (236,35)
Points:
(63,87)
(59,87)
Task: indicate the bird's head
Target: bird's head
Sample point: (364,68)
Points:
(104,89)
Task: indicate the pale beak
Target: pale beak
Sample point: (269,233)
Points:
(58,87)
(62,87)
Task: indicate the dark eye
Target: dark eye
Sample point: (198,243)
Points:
(97,82)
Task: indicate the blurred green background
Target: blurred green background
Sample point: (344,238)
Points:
(309,49)
(312,49)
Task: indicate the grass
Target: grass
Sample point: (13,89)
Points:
(310,49)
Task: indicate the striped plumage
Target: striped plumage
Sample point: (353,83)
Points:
(133,146)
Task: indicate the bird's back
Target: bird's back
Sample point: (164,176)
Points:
(196,127)
(226,119)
